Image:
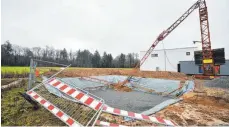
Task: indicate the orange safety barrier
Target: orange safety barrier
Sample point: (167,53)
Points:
(37,72)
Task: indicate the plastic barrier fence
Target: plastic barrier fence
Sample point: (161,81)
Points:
(54,110)
(95,104)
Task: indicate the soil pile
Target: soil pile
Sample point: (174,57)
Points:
(113,71)
(207,107)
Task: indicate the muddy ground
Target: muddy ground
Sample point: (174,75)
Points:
(204,106)
(113,71)
(199,109)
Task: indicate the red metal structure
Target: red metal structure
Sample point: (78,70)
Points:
(208,63)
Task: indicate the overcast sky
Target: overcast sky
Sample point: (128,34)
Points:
(114,26)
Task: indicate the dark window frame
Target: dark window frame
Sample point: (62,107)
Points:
(188,53)
(154,55)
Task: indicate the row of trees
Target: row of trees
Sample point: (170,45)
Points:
(13,55)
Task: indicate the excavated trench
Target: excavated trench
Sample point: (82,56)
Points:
(138,100)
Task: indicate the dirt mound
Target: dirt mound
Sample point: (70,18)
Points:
(113,71)
(50,72)
(121,86)
(201,109)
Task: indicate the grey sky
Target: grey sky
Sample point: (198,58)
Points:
(114,26)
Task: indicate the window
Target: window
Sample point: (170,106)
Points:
(154,55)
(187,53)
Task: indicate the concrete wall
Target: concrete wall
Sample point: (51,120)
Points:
(189,67)
(169,63)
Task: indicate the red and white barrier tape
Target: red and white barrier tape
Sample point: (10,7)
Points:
(54,110)
(76,94)
(108,124)
(95,104)
(137,116)
(60,114)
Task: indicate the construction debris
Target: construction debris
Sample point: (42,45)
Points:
(121,87)
(14,84)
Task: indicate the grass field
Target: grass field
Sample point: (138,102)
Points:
(18,70)
(23,70)
(14,71)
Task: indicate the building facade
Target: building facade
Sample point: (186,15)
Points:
(168,59)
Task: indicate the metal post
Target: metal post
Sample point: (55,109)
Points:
(46,80)
(30,75)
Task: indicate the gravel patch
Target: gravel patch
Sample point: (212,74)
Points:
(222,82)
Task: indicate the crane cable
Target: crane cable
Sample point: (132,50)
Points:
(176,76)
(167,56)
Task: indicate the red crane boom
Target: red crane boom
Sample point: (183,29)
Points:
(208,63)
(205,36)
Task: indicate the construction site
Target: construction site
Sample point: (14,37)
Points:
(65,96)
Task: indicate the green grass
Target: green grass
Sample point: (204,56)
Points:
(14,113)
(22,70)
(17,70)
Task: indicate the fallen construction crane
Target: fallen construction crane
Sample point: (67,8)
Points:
(208,62)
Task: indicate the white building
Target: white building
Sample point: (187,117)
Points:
(167,60)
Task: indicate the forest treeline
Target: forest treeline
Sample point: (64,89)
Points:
(14,55)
